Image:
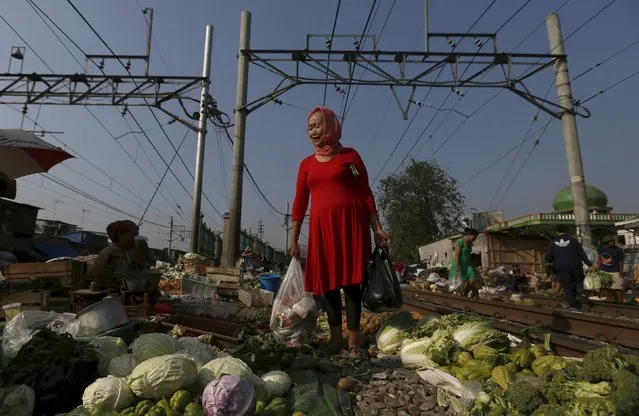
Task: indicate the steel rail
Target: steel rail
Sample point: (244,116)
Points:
(613,331)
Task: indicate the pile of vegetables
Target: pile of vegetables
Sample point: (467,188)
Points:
(597,280)
(518,381)
(161,375)
(56,368)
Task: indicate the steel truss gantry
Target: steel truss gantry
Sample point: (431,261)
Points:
(411,69)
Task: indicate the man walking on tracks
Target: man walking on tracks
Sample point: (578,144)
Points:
(567,254)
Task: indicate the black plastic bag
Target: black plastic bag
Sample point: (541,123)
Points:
(381,287)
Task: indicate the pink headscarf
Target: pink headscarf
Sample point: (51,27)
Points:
(332,132)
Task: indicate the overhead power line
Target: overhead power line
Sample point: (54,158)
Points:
(605,90)
(330,47)
(84,19)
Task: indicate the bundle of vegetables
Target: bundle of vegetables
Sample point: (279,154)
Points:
(427,326)
(179,404)
(56,367)
(440,349)
(392,331)
(604,383)
(597,279)
(477,332)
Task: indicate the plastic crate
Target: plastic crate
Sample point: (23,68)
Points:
(198,285)
(256,297)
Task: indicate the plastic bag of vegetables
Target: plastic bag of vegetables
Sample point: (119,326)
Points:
(108,393)
(294,314)
(229,395)
(162,376)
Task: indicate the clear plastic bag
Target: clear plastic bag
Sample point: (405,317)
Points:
(20,329)
(294,313)
(455,284)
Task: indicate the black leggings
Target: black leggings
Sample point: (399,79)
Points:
(353,298)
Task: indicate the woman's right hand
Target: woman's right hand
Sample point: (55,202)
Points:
(295,250)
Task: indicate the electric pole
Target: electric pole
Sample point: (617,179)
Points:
(231,245)
(571,137)
(287,228)
(170,236)
(201,138)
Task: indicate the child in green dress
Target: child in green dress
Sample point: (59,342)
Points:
(462,265)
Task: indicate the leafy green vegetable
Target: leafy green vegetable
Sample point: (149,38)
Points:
(474,333)
(427,326)
(393,331)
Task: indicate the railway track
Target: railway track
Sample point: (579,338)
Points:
(618,332)
(599,307)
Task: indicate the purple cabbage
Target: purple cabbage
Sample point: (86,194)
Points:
(229,395)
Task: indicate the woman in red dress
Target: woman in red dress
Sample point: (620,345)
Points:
(342,213)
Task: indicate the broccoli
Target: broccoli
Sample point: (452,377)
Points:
(600,365)
(524,397)
(625,396)
(560,390)
(632,362)
(591,406)
(550,410)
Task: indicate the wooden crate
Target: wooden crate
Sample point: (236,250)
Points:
(255,298)
(69,272)
(225,274)
(29,301)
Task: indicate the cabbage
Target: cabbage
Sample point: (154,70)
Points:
(393,331)
(440,349)
(413,355)
(162,376)
(152,345)
(193,347)
(122,366)
(229,395)
(427,326)
(108,393)
(107,348)
(472,334)
(233,366)
(278,383)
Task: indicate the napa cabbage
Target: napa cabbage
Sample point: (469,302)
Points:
(393,331)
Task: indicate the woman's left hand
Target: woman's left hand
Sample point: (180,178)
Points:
(382,239)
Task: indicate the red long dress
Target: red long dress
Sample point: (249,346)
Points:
(339,245)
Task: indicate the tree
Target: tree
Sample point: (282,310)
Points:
(420,205)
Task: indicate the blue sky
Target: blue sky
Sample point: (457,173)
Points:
(276,140)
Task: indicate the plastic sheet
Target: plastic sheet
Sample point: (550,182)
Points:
(20,329)
(294,313)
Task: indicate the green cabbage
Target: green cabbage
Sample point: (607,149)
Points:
(122,366)
(108,393)
(108,348)
(152,345)
(162,376)
(393,331)
(278,383)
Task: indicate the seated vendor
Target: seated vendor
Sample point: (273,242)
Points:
(113,262)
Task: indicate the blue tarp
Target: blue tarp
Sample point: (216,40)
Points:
(52,251)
